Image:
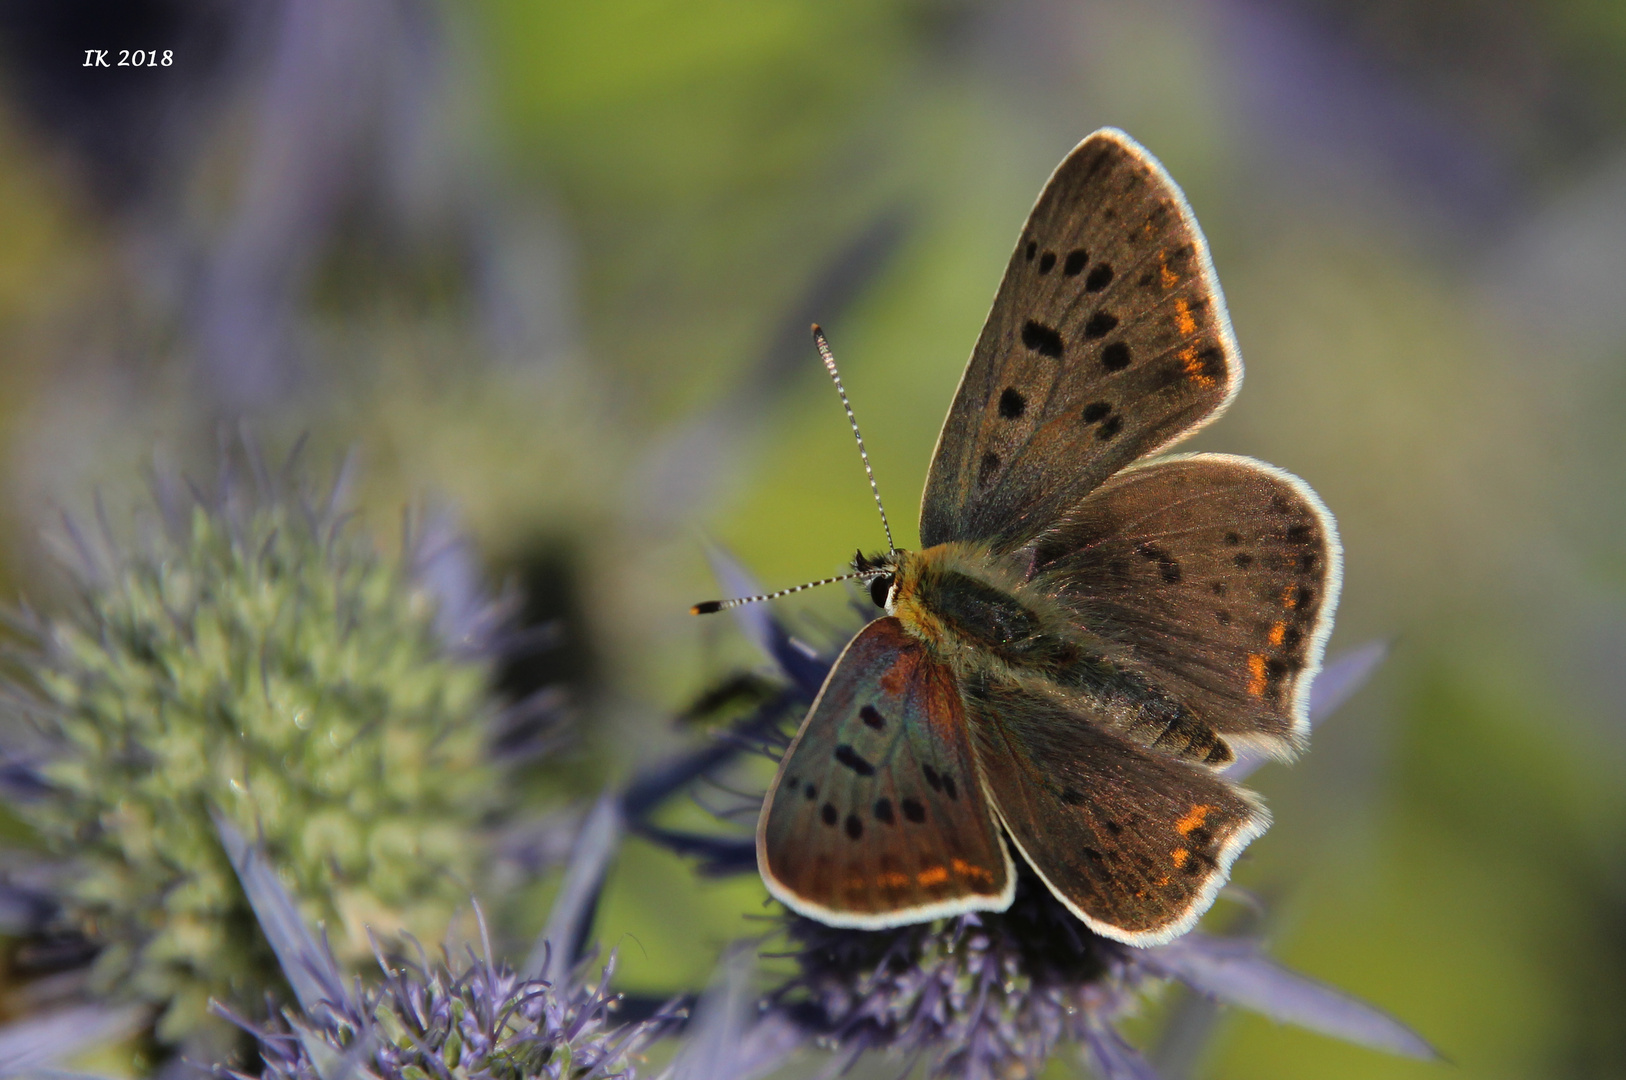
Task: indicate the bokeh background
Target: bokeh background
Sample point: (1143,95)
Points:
(546,269)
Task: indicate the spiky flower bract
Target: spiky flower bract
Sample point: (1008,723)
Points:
(257,658)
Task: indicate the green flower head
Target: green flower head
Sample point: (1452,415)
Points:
(259,659)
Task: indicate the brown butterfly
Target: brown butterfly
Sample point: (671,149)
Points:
(1086,636)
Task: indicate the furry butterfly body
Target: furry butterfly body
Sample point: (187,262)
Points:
(1086,636)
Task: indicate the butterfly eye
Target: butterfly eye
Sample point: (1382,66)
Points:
(879,587)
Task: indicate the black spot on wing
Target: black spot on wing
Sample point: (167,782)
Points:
(1232,539)
(1099,278)
(828,814)
(872,717)
(913,810)
(1012,404)
(950,788)
(854,827)
(1072,796)
(1032,250)
(854,760)
(1046,261)
(810,792)
(883,811)
(1096,410)
(1243,560)
(1109,428)
(1075,262)
(1168,566)
(987,468)
(1100,325)
(1115,357)
(1044,340)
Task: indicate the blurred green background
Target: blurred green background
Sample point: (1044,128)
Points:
(548,268)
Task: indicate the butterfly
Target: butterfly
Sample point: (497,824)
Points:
(1088,633)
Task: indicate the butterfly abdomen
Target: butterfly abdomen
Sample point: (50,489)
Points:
(1123,698)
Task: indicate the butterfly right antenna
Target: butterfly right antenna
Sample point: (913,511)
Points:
(830,366)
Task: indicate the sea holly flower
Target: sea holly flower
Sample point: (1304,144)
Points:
(252,656)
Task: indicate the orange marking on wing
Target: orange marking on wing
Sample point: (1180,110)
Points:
(1194,368)
(1168,277)
(1278,633)
(1162,879)
(1256,672)
(935,875)
(1290,597)
(1194,819)
(895,680)
(1183,319)
(1179,855)
(893,880)
(975,873)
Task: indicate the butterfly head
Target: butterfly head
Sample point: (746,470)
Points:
(881,572)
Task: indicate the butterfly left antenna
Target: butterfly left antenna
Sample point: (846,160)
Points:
(830,366)
(710,606)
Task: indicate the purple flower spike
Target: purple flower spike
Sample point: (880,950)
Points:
(728,1040)
(1233,970)
(308,967)
(1334,684)
(29,1046)
(1111,1057)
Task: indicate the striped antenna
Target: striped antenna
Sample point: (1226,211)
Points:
(830,366)
(723,605)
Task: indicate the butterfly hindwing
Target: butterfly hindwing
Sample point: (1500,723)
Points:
(1216,577)
(1107,341)
(877,816)
(1134,842)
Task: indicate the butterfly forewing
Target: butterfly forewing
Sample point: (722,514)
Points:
(1108,340)
(877,816)
(1134,842)
(1215,576)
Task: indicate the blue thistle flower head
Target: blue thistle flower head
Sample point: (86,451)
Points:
(981,996)
(475,1018)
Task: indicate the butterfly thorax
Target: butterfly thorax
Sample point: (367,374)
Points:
(994,624)
(973,609)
